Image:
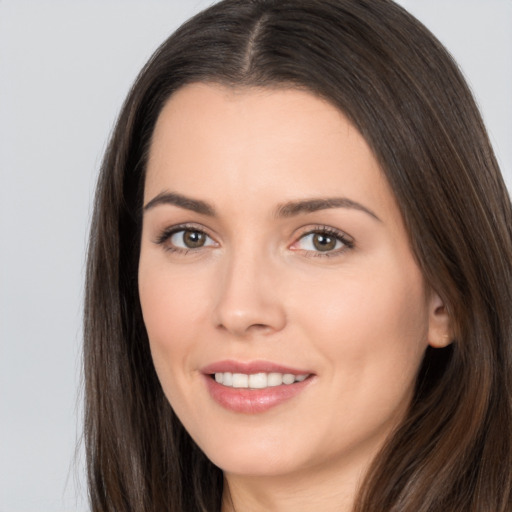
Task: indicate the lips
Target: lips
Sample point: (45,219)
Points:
(253,387)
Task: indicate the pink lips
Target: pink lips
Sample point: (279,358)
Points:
(252,401)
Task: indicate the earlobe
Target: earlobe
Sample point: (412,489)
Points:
(439,325)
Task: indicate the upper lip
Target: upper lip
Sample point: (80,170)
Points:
(250,367)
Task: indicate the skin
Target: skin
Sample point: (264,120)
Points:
(357,317)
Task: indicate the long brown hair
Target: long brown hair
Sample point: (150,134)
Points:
(403,92)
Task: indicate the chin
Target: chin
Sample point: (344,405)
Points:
(252,455)
(257,465)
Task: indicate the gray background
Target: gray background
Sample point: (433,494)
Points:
(65,67)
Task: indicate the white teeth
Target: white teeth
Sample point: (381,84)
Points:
(288,378)
(240,380)
(227,379)
(257,380)
(275,379)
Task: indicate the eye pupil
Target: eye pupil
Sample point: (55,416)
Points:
(324,242)
(194,239)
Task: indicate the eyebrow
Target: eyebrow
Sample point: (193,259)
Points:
(289,209)
(172,198)
(313,205)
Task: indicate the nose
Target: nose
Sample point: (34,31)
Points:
(248,302)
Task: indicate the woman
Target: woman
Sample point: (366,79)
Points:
(299,277)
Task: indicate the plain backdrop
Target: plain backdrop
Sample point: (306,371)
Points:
(65,67)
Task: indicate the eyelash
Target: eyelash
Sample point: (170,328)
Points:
(166,235)
(346,241)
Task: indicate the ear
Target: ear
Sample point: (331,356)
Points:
(439,325)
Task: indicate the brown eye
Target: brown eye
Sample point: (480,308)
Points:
(190,239)
(194,239)
(323,242)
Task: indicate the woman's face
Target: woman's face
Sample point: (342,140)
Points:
(286,314)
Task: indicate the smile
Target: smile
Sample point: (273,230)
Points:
(260,380)
(254,387)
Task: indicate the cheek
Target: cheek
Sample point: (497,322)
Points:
(174,311)
(371,333)
(369,324)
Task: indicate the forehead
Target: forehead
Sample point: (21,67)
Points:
(221,142)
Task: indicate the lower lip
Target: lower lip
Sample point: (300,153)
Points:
(253,401)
